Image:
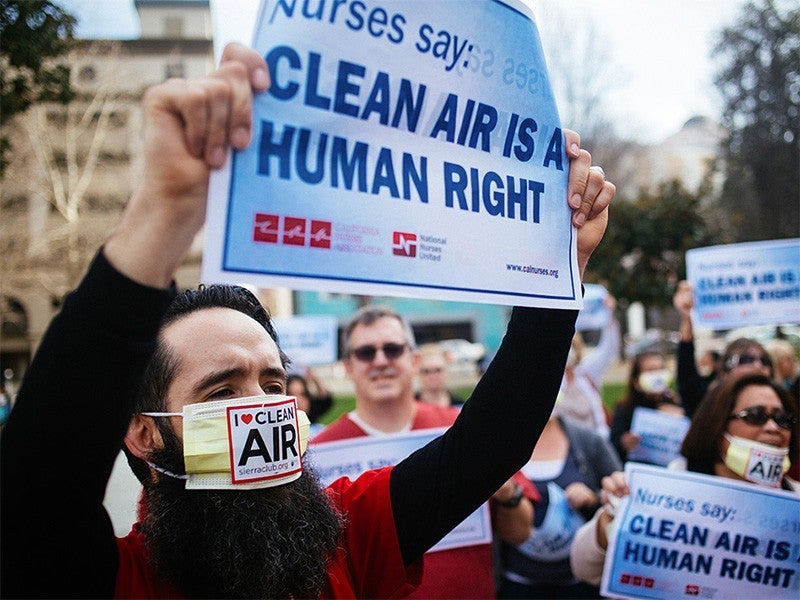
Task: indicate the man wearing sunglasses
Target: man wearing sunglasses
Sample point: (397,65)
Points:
(381,359)
(76,405)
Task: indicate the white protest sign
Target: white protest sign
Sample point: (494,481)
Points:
(404,148)
(350,458)
(683,534)
(308,339)
(661,435)
(264,441)
(594,314)
(754,283)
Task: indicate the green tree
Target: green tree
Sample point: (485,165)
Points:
(642,256)
(760,85)
(32,33)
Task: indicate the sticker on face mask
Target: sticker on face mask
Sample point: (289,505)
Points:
(264,441)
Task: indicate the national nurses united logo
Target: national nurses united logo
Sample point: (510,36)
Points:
(264,441)
(294,231)
(404,244)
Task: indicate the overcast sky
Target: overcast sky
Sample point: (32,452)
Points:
(659,49)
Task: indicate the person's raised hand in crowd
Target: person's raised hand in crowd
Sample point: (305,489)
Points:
(614,487)
(683,301)
(189,126)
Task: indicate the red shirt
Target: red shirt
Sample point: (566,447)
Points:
(367,564)
(457,573)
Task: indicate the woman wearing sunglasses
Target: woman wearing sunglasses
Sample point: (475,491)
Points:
(746,429)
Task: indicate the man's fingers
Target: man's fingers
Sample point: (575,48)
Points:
(578,178)
(254,63)
(595,188)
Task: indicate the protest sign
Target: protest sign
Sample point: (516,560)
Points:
(661,435)
(754,283)
(594,314)
(683,534)
(309,339)
(406,149)
(350,458)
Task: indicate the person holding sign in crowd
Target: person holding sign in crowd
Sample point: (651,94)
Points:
(648,387)
(211,355)
(381,359)
(742,355)
(580,389)
(567,466)
(746,429)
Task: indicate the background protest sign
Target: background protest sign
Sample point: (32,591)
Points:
(404,148)
(594,314)
(661,435)
(754,283)
(308,339)
(683,534)
(350,458)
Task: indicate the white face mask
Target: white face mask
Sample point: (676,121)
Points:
(654,382)
(759,463)
(244,443)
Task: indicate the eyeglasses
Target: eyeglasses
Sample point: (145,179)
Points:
(367,353)
(748,359)
(431,371)
(758,416)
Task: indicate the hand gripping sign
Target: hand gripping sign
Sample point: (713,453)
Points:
(403,148)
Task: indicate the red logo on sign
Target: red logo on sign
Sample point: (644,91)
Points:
(294,231)
(692,590)
(649,582)
(320,234)
(625,578)
(404,244)
(265,228)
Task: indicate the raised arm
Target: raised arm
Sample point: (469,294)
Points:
(438,486)
(75,402)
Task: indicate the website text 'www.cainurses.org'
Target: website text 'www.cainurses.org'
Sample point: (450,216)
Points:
(531,270)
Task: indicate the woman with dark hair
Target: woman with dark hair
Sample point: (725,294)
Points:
(746,429)
(315,402)
(648,387)
(742,415)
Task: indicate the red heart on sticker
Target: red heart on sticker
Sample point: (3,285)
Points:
(246,418)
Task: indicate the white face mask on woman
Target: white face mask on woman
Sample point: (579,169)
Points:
(654,382)
(758,463)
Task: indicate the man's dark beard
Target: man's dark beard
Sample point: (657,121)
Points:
(267,543)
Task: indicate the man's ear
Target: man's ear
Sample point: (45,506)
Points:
(143,436)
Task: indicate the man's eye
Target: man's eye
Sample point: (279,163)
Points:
(222,393)
(273,388)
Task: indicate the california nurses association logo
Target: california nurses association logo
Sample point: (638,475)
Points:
(291,231)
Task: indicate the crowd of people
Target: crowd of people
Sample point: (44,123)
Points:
(132,363)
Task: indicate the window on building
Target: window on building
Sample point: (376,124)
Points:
(174,69)
(173,27)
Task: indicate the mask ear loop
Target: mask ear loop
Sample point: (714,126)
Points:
(153,465)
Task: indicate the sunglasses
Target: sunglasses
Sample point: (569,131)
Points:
(758,416)
(431,371)
(368,353)
(748,359)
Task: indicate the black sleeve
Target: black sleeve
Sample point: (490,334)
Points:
(64,434)
(691,385)
(438,486)
(620,423)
